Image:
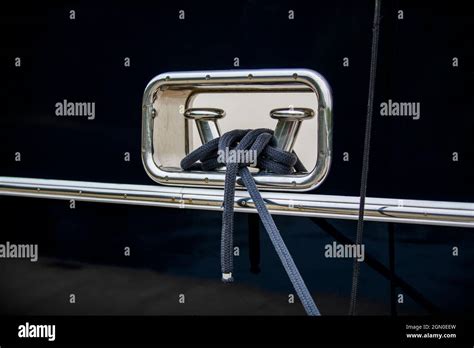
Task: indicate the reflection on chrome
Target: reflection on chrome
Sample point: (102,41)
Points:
(280,203)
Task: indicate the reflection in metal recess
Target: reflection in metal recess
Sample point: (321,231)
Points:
(167,135)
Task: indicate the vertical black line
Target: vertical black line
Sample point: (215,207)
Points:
(365,162)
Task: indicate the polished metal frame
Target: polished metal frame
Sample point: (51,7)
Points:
(308,79)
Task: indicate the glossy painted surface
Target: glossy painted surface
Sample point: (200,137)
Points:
(84,61)
(172,249)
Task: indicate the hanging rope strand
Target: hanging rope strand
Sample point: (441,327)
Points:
(269,158)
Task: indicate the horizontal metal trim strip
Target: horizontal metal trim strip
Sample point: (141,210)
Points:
(280,203)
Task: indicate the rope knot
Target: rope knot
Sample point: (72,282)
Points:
(237,150)
(243,148)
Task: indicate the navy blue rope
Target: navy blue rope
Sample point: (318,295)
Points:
(269,158)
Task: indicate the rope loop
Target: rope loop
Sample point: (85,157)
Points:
(260,145)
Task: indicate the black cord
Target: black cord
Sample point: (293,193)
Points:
(365,160)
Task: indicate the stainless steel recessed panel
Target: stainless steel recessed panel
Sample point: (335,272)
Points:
(173,125)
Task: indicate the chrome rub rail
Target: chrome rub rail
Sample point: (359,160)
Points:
(440,213)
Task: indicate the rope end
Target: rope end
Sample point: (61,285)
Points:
(227,277)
